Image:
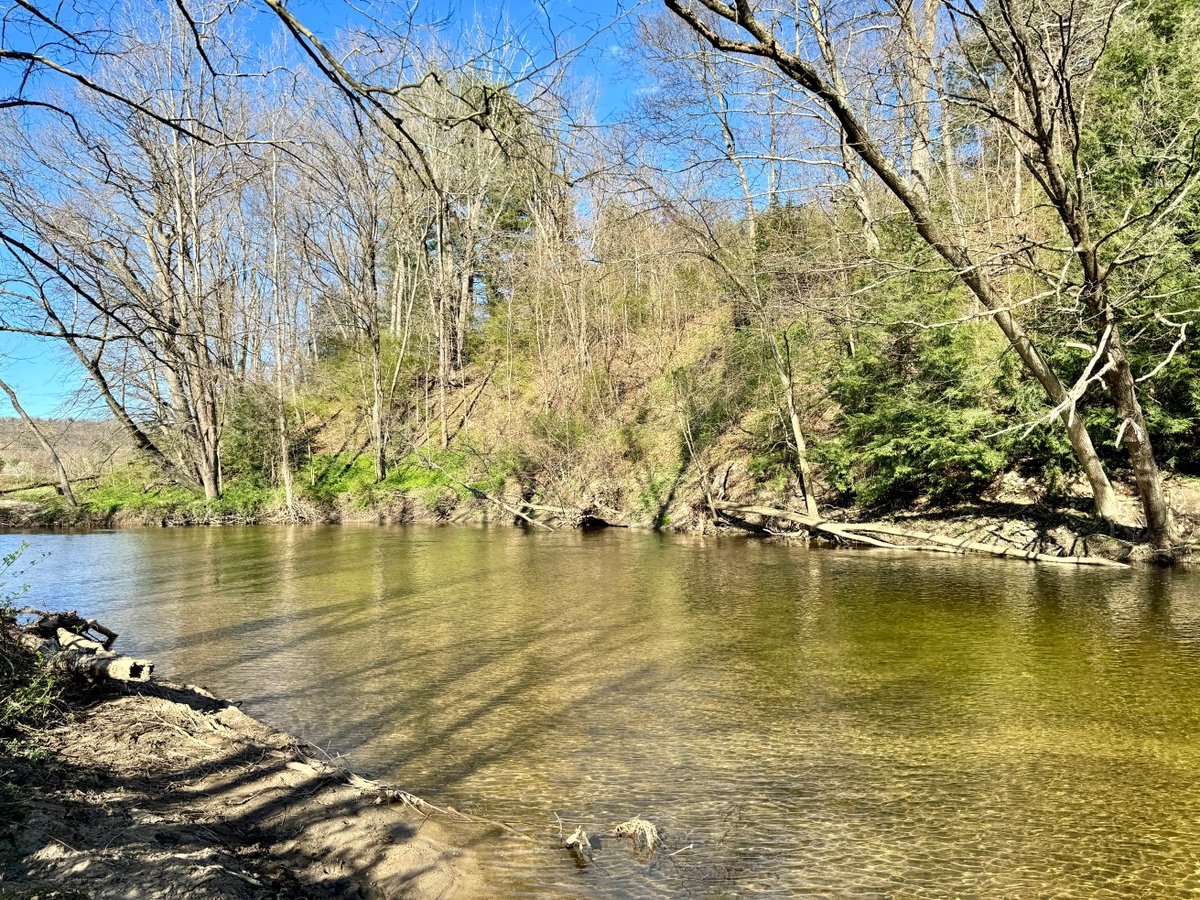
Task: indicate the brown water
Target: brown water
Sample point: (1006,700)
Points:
(810,722)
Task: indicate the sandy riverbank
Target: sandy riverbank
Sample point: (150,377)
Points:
(161,790)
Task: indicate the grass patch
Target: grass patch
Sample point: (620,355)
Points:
(136,491)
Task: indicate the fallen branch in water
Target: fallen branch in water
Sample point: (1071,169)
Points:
(580,845)
(932,543)
(576,516)
(422,806)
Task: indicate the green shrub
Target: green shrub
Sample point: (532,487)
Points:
(934,414)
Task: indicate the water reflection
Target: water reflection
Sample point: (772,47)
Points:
(813,721)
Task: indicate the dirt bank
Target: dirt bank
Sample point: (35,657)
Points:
(1014,513)
(161,790)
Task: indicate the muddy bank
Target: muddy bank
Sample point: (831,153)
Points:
(162,790)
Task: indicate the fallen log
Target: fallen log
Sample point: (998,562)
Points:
(70,653)
(48,624)
(976,547)
(933,543)
(575,516)
(46,484)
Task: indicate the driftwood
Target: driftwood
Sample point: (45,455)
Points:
(580,845)
(48,624)
(576,516)
(912,540)
(643,834)
(61,641)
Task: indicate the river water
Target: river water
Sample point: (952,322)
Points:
(813,722)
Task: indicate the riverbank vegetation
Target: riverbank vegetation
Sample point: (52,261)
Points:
(31,695)
(844,261)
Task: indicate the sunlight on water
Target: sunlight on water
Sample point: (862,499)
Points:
(809,721)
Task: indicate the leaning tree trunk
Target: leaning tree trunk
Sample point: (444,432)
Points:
(59,468)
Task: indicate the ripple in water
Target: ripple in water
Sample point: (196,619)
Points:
(819,722)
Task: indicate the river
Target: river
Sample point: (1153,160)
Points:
(816,722)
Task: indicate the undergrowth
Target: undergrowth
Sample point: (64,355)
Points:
(31,696)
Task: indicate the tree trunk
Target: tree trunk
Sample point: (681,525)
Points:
(285,460)
(378,412)
(1160,523)
(783,367)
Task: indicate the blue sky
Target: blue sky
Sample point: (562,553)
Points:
(43,373)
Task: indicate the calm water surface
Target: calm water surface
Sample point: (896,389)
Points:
(812,722)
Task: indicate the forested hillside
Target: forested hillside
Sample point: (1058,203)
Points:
(833,256)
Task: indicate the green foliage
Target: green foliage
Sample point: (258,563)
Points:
(10,593)
(30,700)
(909,448)
(1142,102)
(715,391)
(1140,143)
(140,491)
(923,415)
(654,494)
(631,437)
(250,445)
(135,487)
(332,474)
(773,462)
(29,696)
(349,477)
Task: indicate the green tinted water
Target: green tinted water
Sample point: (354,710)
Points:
(812,722)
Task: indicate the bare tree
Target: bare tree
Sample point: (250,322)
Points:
(137,255)
(60,470)
(1048,55)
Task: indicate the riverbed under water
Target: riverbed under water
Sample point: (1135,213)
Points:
(806,721)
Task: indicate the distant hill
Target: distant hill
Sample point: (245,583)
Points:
(84,445)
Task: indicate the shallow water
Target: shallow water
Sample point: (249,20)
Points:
(809,721)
